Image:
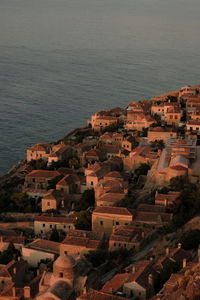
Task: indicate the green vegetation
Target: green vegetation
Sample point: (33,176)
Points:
(189,206)
(99,257)
(87,199)
(83,220)
(142,169)
(9,254)
(11,201)
(113,127)
(157,145)
(191,239)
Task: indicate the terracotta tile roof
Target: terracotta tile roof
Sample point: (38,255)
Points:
(67,180)
(113,210)
(116,283)
(14,239)
(99,295)
(109,118)
(82,241)
(45,245)
(193,122)
(178,168)
(161,129)
(114,174)
(52,194)
(40,147)
(142,270)
(55,219)
(126,233)
(111,197)
(150,207)
(8,270)
(171,196)
(43,173)
(152,217)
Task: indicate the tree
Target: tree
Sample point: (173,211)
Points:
(87,199)
(191,239)
(74,163)
(142,169)
(54,235)
(97,257)
(83,220)
(157,145)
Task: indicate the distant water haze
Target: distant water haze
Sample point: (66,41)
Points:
(62,60)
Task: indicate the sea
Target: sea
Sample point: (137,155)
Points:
(63,60)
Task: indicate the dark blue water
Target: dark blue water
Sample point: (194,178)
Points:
(60,61)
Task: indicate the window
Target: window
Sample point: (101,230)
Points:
(69,226)
(116,223)
(41,231)
(48,203)
(50,226)
(114,244)
(92,183)
(61,274)
(43,225)
(2,281)
(101,222)
(125,245)
(64,226)
(119,244)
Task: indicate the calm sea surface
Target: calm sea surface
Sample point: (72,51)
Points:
(62,60)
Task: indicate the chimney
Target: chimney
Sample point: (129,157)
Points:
(133,269)
(151,258)
(179,245)
(14,270)
(14,291)
(167,251)
(184,264)
(150,280)
(166,202)
(27,292)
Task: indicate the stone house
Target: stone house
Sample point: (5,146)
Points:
(38,182)
(160,133)
(38,151)
(79,242)
(52,200)
(44,224)
(40,249)
(173,115)
(105,217)
(127,237)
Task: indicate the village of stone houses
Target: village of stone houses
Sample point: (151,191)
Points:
(109,212)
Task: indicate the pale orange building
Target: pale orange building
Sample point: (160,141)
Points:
(127,237)
(38,182)
(173,115)
(38,151)
(52,200)
(43,224)
(79,242)
(101,120)
(104,218)
(160,133)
